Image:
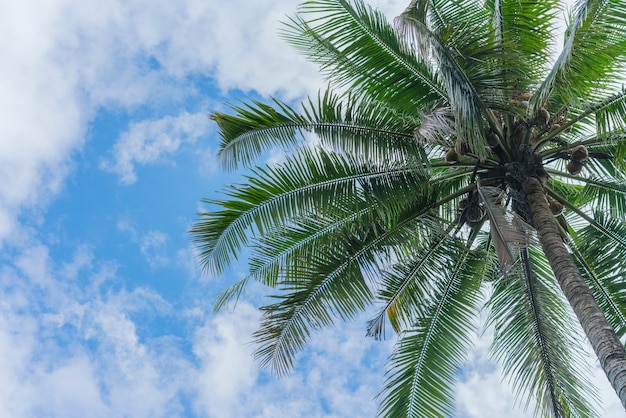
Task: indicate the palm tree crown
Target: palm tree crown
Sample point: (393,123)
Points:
(453,165)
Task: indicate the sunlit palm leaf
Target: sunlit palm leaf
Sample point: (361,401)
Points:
(408,285)
(335,287)
(601,262)
(330,285)
(357,125)
(308,182)
(605,194)
(466,102)
(533,340)
(426,359)
(524,31)
(233,291)
(593,52)
(356,46)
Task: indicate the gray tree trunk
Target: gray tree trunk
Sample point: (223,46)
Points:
(601,335)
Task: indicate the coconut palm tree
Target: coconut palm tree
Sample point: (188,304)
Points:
(452,167)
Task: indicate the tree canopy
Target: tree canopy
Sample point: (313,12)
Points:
(460,160)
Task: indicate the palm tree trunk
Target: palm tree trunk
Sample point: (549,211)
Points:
(601,335)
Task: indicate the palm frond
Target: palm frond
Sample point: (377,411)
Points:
(256,127)
(279,252)
(524,31)
(601,262)
(233,291)
(334,287)
(611,117)
(470,112)
(436,127)
(407,285)
(603,193)
(331,284)
(425,362)
(533,340)
(357,125)
(357,48)
(311,181)
(592,54)
(605,115)
(509,232)
(611,301)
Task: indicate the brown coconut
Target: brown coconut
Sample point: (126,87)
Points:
(461,147)
(574,167)
(543,116)
(580,153)
(556,207)
(526,96)
(452,157)
(492,139)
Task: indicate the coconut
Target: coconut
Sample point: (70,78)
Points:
(580,153)
(492,139)
(543,116)
(475,213)
(526,96)
(452,157)
(460,147)
(463,203)
(574,167)
(556,207)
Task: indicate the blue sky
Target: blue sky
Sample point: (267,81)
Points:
(106,151)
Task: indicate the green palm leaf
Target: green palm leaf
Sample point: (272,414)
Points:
(355,45)
(524,31)
(593,52)
(409,283)
(429,353)
(307,183)
(333,287)
(599,257)
(355,124)
(533,340)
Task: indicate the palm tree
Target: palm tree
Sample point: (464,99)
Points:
(451,167)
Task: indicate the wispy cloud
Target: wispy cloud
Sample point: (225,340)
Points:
(152,244)
(150,141)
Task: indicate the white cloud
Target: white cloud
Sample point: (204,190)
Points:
(69,351)
(63,60)
(227,371)
(207,162)
(152,244)
(83,257)
(149,141)
(152,247)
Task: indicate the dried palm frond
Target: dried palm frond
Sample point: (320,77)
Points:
(509,232)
